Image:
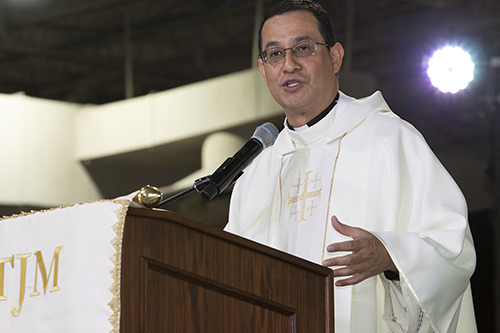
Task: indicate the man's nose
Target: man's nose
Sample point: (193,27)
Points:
(290,62)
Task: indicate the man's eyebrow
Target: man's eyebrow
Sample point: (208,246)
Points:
(272,43)
(295,39)
(301,38)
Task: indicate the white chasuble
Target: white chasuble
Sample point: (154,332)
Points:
(374,171)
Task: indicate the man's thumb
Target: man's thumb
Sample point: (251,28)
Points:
(341,228)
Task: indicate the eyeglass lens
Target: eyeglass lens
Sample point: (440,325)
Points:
(302,49)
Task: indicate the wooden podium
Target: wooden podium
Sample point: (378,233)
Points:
(179,275)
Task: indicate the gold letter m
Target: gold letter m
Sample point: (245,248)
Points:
(40,265)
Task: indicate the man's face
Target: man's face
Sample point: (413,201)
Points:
(303,86)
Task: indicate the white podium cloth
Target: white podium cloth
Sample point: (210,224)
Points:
(60,269)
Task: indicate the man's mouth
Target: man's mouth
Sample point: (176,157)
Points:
(291,84)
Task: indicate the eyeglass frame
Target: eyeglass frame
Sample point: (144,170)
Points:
(263,55)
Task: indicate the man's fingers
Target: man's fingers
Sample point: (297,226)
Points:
(367,255)
(353,273)
(343,246)
(340,261)
(355,279)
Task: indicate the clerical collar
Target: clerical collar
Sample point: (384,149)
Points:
(319,116)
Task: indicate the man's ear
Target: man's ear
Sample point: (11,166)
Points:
(262,70)
(337,54)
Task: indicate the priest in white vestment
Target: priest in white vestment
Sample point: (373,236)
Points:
(402,253)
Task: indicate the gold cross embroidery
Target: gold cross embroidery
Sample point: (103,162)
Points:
(302,198)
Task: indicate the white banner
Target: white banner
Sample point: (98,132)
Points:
(60,269)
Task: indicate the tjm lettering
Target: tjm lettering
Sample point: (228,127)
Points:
(40,267)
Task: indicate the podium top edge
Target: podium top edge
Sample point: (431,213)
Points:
(172,217)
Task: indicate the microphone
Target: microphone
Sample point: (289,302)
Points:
(263,137)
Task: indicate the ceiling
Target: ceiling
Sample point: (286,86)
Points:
(100,51)
(86,51)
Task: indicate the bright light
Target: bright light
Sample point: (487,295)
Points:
(450,69)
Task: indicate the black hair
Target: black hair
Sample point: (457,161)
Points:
(325,24)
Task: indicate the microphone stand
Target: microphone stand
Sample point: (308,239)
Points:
(150,197)
(199,185)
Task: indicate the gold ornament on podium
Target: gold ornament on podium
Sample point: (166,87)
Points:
(148,197)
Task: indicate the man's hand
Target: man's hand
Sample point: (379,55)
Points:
(368,258)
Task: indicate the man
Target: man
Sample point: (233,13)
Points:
(403,256)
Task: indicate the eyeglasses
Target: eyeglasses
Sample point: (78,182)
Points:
(305,48)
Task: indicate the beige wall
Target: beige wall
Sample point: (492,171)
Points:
(172,115)
(37,145)
(43,142)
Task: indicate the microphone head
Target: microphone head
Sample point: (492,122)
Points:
(266,134)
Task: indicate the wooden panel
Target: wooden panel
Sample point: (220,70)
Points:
(212,306)
(180,273)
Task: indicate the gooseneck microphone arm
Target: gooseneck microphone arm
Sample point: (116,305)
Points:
(199,185)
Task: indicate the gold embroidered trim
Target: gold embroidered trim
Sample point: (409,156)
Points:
(281,187)
(116,259)
(330,197)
